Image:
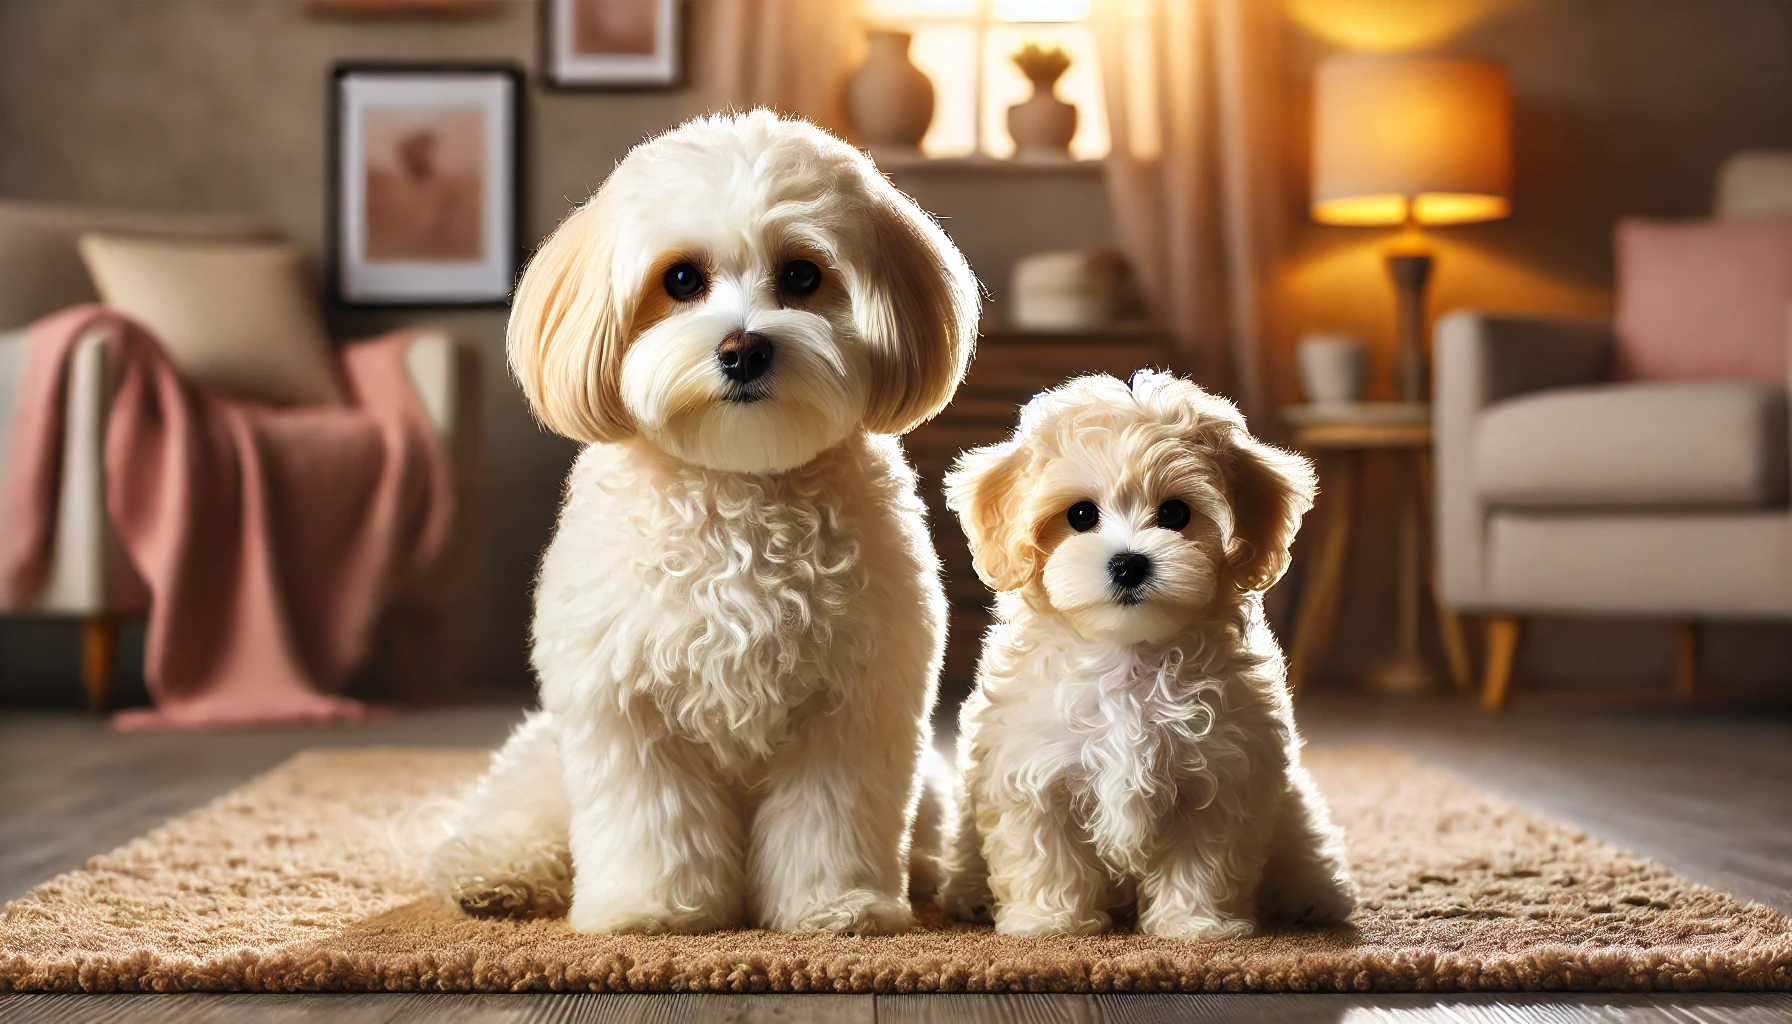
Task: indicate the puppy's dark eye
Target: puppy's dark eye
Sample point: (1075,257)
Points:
(1172,514)
(1083,516)
(800,277)
(684,281)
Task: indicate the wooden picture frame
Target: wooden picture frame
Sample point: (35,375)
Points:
(425,183)
(612,44)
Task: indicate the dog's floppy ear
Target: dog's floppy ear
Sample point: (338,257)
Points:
(916,304)
(984,488)
(568,331)
(1271,490)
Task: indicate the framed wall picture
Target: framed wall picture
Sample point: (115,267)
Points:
(609,44)
(424,183)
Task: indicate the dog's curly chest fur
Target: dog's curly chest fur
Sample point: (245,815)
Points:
(741,608)
(760,574)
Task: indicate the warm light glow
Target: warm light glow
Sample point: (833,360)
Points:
(1361,211)
(1041,10)
(905,11)
(1390,24)
(1399,135)
(1458,207)
(947,54)
(1428,208)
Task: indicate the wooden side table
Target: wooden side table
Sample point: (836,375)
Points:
(1339,438)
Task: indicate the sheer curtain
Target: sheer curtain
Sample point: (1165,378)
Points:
(1193,176)
(792,55)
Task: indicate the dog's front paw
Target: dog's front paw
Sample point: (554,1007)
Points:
(965,900)
(514,881)
(597,917)
(1030,921)
(1325,903)
(854,912)
(1208,927)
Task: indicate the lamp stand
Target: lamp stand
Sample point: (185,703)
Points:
(1412,368)
(1408,672)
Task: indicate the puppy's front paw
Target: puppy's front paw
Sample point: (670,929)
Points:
(1207,927)
(1031,921)
(854,912)
(965,900)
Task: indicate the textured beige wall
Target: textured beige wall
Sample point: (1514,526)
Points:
(221,105)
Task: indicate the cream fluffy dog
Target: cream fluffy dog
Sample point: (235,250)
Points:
(739,621)
(1130,748)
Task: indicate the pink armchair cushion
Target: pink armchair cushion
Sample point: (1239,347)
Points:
(1704,299)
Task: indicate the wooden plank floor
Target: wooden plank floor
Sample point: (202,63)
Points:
(1709,796)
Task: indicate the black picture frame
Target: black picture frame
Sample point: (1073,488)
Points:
(557,75)
(502,251)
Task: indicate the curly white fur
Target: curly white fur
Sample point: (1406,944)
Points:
(739,622)
(1135,753)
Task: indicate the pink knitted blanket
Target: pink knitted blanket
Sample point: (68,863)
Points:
(269,538)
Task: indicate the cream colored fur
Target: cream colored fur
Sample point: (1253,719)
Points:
(739,622)
(1135,758)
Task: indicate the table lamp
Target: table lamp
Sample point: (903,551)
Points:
(1414,140)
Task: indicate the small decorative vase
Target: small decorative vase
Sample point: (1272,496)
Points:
(1043,124)
(889,100)
(1333,368)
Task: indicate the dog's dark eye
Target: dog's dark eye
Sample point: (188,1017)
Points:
(1083,516)
(684,281)
(1172,514)
(800,277)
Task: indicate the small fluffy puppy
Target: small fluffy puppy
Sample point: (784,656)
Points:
(1130,747)
(739,622)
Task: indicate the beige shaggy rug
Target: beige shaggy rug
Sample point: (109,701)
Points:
(307,879)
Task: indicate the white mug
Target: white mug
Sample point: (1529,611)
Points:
(1333,368)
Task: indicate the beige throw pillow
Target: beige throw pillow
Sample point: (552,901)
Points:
(239,318)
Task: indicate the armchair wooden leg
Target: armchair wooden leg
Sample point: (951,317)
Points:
(1503,634)
(1449,627)
(99,656)
(1686,659)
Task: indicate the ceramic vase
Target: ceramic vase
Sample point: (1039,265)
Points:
(1043,124)
(1333,368)
(889,100)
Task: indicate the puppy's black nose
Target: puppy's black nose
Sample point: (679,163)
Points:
(1129,570)
(744,356)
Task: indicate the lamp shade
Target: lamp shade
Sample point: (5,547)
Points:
(1398,136)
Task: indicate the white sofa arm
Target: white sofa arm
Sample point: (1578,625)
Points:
(443,371)
(1482,359)
(88,574)
(12,377)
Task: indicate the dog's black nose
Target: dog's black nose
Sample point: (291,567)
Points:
(1129,570)
(744,356)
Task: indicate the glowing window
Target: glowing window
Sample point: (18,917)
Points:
(966,47)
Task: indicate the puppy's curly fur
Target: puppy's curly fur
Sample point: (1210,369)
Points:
(739,621)
(1130,749)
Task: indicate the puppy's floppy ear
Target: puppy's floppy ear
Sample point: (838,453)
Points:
(916,304)
(1271,490)
(568,331)
(984,488)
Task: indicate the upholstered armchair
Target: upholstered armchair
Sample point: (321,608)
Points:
(1560,491)
(90,579)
